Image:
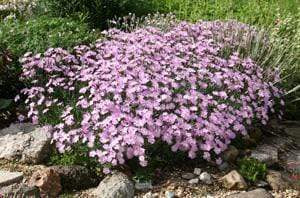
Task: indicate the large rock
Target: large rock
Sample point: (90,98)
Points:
(276,181)
(234,181)
(48,182)
(24,142)
(257,193)
(20,190)
(266,153)
(117,185)
(8,178)
(76,177)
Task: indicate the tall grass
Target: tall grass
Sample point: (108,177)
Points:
(256,12)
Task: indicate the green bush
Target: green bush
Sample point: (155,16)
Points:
(37,35)
(97,12)
(251,169)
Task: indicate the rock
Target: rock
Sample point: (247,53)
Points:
(8,178)
(257,193)
(20,190)
(24,142)
(293,161)
(76,177)
(266,153)
(197,171)
(206,178)
(188,176)
(234,181)
(48,181)
(194,181)
(275,180)
(224,166)
(230,154)
(169,194)
(143,186)
(117,185)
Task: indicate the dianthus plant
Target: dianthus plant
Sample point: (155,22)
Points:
(134,89)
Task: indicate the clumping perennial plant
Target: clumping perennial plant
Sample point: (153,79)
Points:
(136,88)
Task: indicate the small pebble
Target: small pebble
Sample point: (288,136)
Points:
(169,194)
(197,171)
(206,178)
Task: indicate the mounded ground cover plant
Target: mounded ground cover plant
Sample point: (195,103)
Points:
(138,88)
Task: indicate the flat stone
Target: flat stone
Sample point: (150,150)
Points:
(20,190)
(8,178)
(25,143)
(267,154)
(257,193)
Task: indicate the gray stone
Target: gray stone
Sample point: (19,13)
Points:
(266,153)
(143,186)
(24,142)
(294,132)
(257,193)
(197,171)
(76,177)
(117,185)
(188,176)
(205,177)
(20,190)
(224,166)
(194,181)
(8,178)
(293,161)
(234,181)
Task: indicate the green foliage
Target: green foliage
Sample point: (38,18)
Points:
(97,12)
(251,169)
(37,35)
(254,12)
(78,155)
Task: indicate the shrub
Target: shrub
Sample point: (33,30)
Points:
(134,89)
(97,11)
(252,169)
(37,35)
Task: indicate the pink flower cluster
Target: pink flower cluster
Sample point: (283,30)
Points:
(133,89)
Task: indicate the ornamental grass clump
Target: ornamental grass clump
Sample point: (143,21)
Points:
(139,88)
